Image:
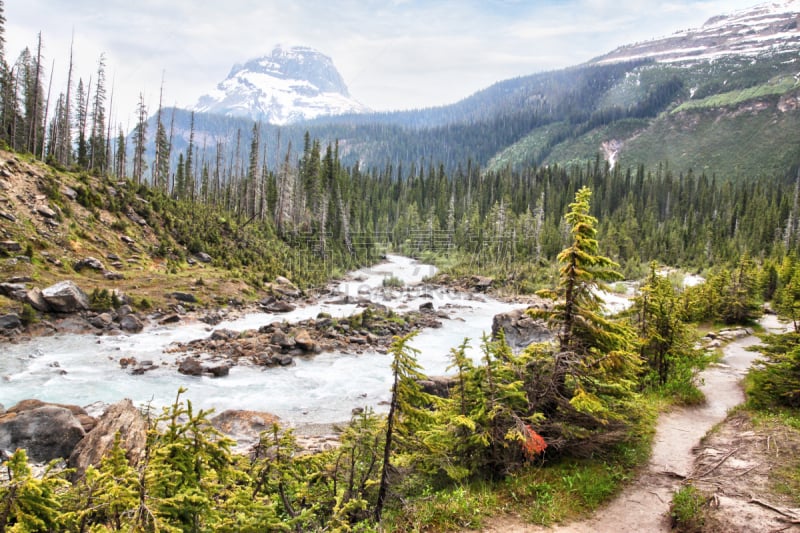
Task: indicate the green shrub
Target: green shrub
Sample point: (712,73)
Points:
(393,282)
(28,314)
(687,511)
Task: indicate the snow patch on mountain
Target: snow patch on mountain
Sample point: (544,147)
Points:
(288,85)
(766,28)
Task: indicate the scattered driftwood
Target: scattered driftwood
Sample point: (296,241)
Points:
(788,514)
(719,463)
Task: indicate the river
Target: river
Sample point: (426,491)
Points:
(85,369)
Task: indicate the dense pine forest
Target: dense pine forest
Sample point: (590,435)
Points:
(565,421)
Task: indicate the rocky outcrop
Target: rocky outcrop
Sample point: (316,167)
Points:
(520,329)
(277,344)
(123,418)
(65,297)
(45,431)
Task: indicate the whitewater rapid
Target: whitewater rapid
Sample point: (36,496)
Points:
(85,369)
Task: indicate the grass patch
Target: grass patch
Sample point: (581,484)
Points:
(688,510)
(453,509)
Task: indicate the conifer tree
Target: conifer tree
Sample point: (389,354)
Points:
(408,409)
(583,388)
(97,136)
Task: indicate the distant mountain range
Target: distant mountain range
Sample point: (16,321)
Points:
(722,99)
(290,84)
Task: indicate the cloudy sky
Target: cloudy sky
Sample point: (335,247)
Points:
(393,54)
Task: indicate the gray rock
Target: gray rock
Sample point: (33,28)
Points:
(69,192)
(191,367)
(203,257)
(481,283)
(46,433)
(438,385)
(520,329)
(101,321)
(65,297)
(35,299)
(219,371)
(285,287)
(245,427)
(123,418)
(170,319)
(186,297)
(279,338)
(113,276)
(10,246)
(8,216)
(284,360)
(131,324)
(124,310)
(223,334)
(10,321)
(89,262)
(46,212)
(15,291)
(279,307)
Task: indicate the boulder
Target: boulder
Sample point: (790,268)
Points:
(10,321)
(203,257)
(123,418)
(285,287)
(89,262)
(131,324)
(112,275)
(46,212)
(191,367)
(481,283)
(279,307)
(303,339)
(172,318)
(15,291)
(279,338)
(65,297)
(101,321)
(46,433)
(245,427)
(35,299)
(186,297)
(219,371)
(10,246)
(438,385)
(223,334)
(426,307)
(520,329)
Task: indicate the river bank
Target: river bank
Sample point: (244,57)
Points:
(85,368)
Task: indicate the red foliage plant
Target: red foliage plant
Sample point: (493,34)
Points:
(534,443)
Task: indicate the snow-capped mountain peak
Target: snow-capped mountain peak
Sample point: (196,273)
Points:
(292,83)
(768,27)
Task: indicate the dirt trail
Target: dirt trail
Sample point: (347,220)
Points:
(643,506)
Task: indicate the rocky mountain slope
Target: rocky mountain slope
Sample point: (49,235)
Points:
(288,85)
(764,29)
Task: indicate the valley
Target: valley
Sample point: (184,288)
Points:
(278,310)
